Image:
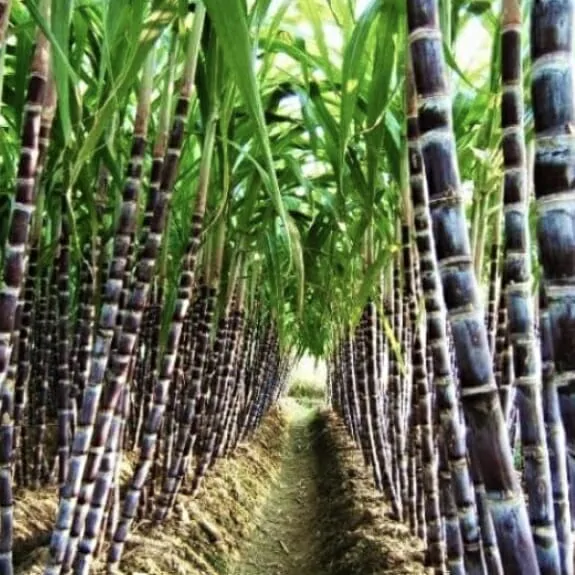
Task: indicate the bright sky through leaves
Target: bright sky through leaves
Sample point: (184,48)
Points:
(472,48)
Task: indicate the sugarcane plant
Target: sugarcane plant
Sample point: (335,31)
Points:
(197,193)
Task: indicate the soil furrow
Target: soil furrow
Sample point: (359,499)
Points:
(287,540)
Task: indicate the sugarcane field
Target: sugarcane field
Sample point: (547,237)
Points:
(287,287)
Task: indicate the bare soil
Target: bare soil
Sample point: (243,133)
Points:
(203,534)
(324,516)
(295,500)
(358,535)
(288,537)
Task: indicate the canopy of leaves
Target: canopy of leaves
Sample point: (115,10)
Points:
(309,100)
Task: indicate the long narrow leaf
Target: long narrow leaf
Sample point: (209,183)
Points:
(154,26)
(230,21)
(61,19)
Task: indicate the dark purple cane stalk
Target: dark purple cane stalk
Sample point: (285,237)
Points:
(112,290)
(479,395)
(25,346)
(89,490)
(166,372)
(519,301)
(40,379)
(14,270)
(188,431)
(63,368)
(552,82)
(120,361)
(556,443)
(444,381)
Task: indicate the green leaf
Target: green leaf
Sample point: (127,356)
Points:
(154,26)
(61,20)
(450,59)
(392,139)
(310,10)
(384,65)
(274,25)
(230,21)
(58,49)
(479,7)
(355,63)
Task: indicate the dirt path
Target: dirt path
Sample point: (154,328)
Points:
(287,539)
